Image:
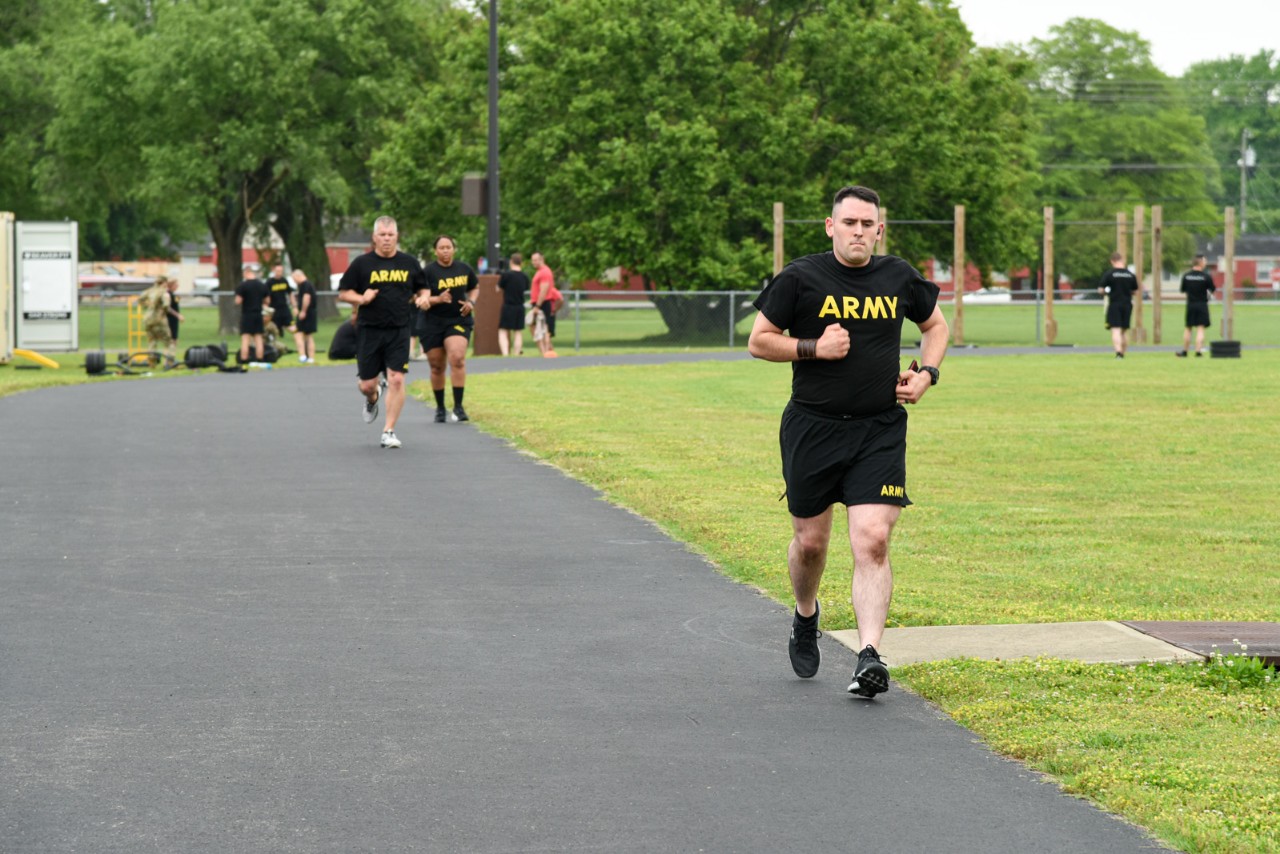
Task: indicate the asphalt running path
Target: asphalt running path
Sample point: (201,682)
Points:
(230,622)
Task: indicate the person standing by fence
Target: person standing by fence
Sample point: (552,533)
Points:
(844,431)
(513,283)
(547,299)
(1197,285)
(304,335)
(1118,284)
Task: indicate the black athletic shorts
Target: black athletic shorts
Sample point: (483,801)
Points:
(436,329)
(282,317)
(545,305)
(379,348)
(251,323)
(1118,316)
(309,324)
(828,459)
(512,316)
(1197,314)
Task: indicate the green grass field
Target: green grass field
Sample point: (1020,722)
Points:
(1048,488)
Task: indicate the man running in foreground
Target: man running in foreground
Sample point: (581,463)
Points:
(844,431)
(382,284)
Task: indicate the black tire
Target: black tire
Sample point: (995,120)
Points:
(197,357)
(95,362)
(217,352)
(1224,349)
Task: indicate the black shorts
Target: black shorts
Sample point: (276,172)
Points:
(308,324)
(436,329)
(1197,314)
(512,316)
(1118,316)
(550,315)
(251,323)
(828,459)
(282,317)
(381,348)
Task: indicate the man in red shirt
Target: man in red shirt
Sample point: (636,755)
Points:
(545,297)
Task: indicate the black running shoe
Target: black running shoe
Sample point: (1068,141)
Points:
(803,646)
(870,677)
(460,414)
(1181,354)
(440,415)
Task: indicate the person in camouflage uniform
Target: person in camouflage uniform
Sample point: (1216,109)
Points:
(155,302)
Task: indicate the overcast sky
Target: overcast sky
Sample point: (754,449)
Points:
(1180,32)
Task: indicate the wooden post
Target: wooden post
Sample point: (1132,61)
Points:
(1229,277)
(1138,332)
(882,245)
(958,276)
(488,311)
(1050,280)
(777,237)
(1122,233)
(1157,270)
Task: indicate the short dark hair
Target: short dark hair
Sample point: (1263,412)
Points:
(447,237)
(1117,256)
(517,258)
(858,192)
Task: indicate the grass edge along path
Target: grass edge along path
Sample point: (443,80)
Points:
(1099,478)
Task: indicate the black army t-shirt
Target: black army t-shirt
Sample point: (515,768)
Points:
(1119,284)
(1197,284)
(252,293)
(870,302)
(514,285)
(459,279)
(279,289)
(396,279)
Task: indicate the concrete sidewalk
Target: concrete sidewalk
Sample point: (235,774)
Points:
(230,622)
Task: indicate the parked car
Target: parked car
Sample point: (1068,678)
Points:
(112,284)
(204,286)
(988,295)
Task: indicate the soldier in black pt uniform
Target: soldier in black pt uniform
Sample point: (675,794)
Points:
(1197,285)
(1118,284)
(383,284)
(844,431)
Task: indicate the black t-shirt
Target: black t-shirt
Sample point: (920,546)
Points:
(307,288)
(870,302)
(514,284)
(1197,285)
(252,293)
(1119,284)
(279,289)
(457,278)
(396,279)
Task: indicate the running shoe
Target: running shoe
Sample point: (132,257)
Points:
(1181,354)
(440,415)
(389,440)
(452,417)
(371,409)
(870,677)
(460,414)
(803,646)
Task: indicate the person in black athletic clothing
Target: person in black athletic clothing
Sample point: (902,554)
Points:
(446,324)
(843,433)
(1118,284)
(250,295)
(383,284)
(1197,285)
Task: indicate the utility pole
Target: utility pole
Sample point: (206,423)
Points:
(493,253)
(1248,159)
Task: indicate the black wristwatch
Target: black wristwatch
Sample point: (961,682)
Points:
(932,372)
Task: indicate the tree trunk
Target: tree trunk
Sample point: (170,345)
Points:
(228,224)
(300,224)
(693,318)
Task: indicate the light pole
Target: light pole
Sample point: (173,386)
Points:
(1248,159)
(492,253)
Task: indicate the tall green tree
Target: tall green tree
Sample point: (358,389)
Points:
(1115,132)
(906,105)
(1235,95)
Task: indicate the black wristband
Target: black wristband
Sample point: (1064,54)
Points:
(807,348)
